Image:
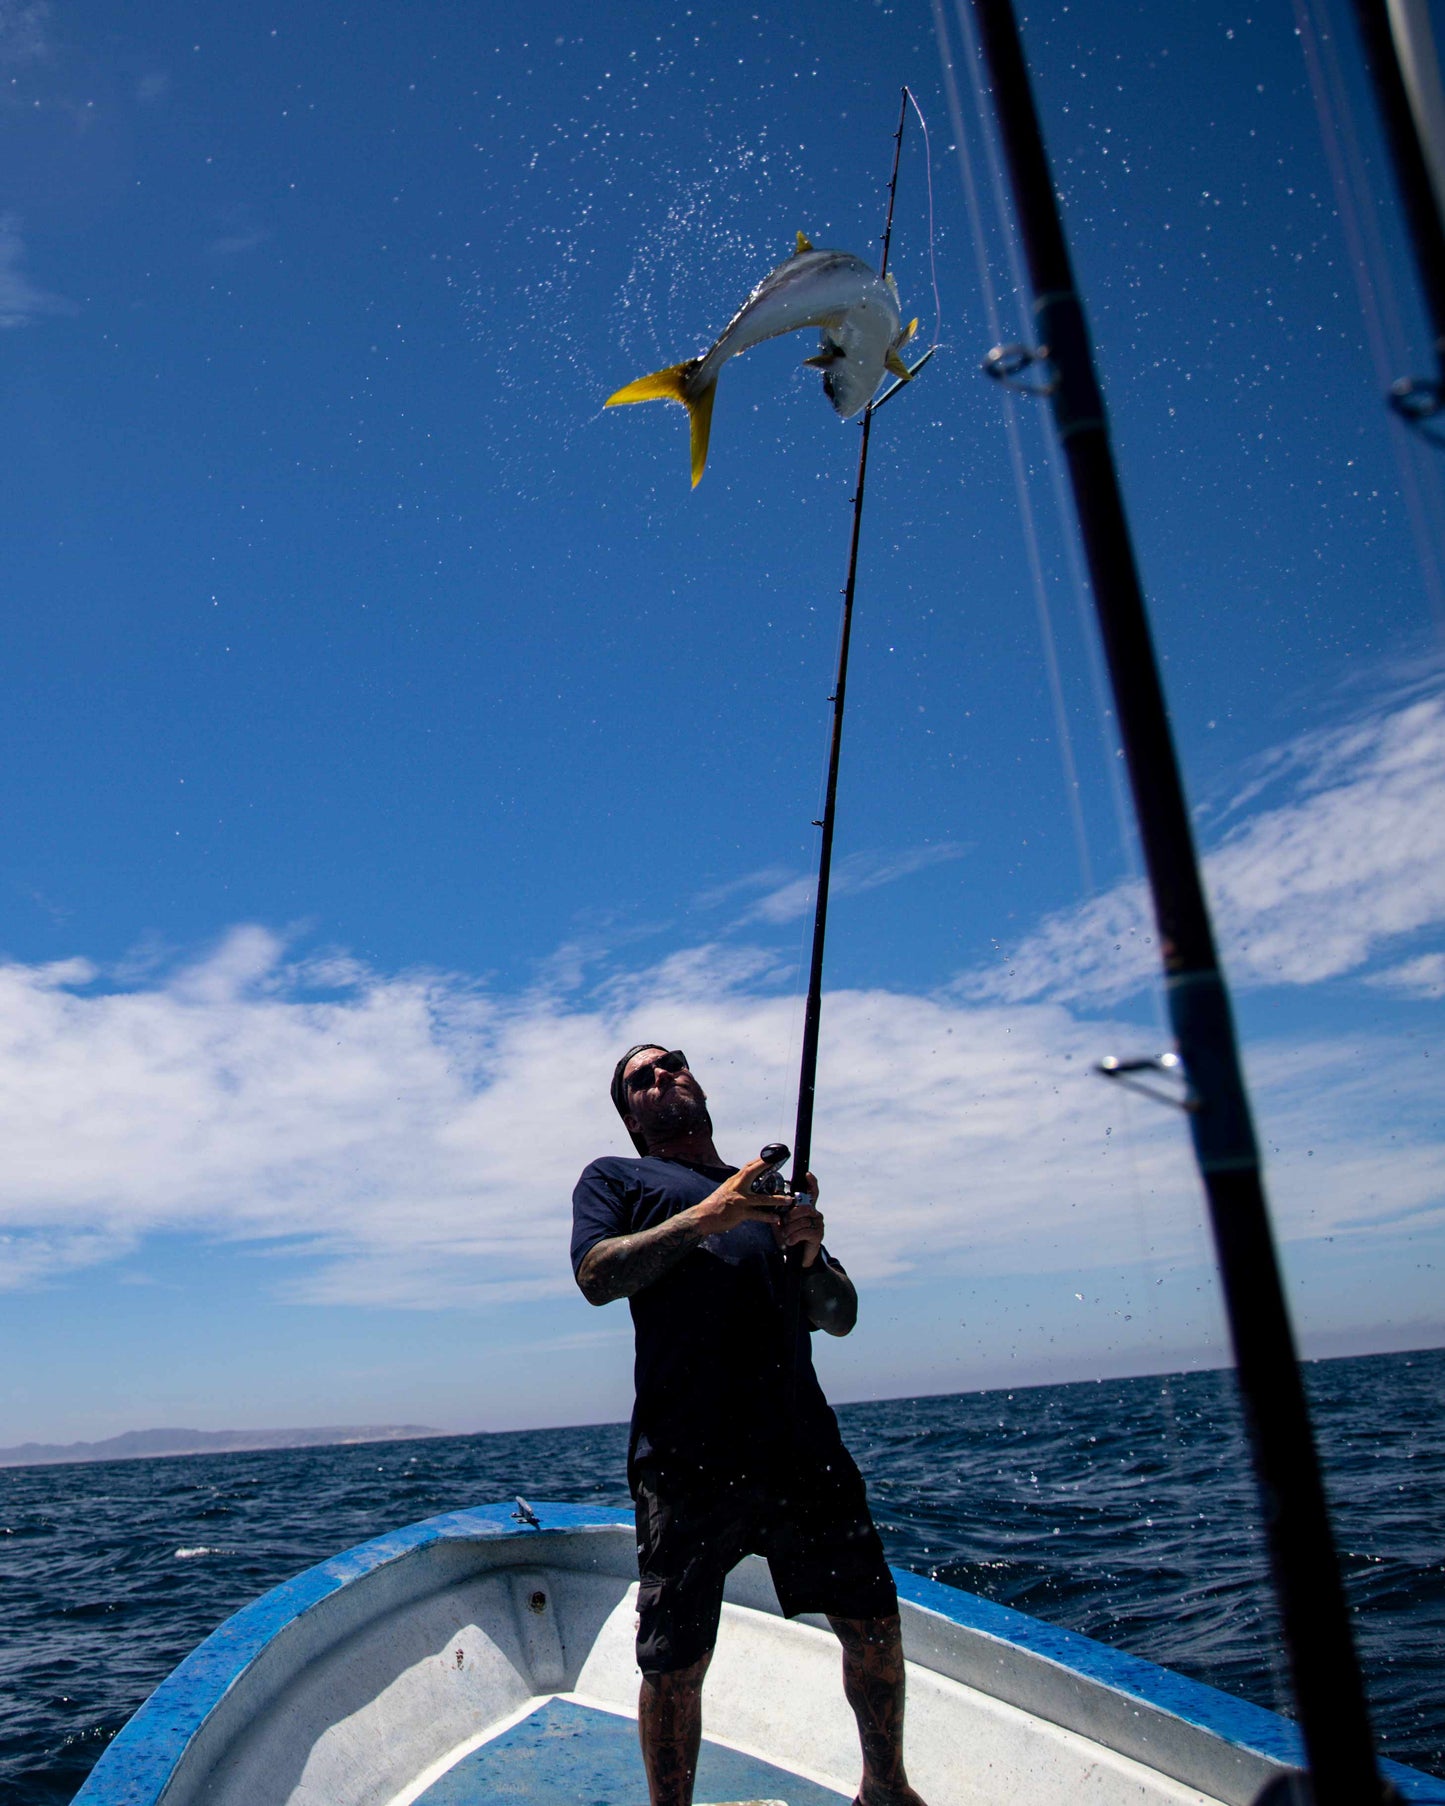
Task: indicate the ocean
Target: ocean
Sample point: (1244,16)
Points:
(1122,1508)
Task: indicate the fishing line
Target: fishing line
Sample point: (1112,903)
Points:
(1104,715)
(1053,463)
(1384,328)
(1152,1267)
(1063,737)
(932,259)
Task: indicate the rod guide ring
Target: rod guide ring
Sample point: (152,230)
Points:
(1007,364)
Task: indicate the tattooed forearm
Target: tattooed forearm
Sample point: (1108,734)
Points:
(624,1264)
(829,1298)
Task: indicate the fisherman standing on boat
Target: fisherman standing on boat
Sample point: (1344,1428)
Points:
(718,1466)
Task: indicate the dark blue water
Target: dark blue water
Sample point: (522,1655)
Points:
(1122,1509)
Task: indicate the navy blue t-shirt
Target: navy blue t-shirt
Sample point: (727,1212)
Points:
(709,1370)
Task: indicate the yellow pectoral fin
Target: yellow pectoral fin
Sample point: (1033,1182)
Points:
(897,367)
(912,328)
(804,244)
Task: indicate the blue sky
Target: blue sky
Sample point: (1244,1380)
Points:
(390,735)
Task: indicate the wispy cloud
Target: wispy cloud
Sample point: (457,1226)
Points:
(20,300)
(234,244)
(23,31)
(244,232)
(412,1139)
(1423,977)
(786,897)
(1314,887)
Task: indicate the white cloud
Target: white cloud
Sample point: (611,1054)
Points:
(20,300)
(1423,977)
(29,1257)
(1310,889)
(412,1139)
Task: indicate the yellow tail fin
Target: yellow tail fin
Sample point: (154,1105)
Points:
(662,385)
(699,414)
(671,385)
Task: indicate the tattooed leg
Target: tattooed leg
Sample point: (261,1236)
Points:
(873,1682)
(669,1722)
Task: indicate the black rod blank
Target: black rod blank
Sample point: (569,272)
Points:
(813,1008)
(1325,1674)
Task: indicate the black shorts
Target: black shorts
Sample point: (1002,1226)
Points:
(821,1547)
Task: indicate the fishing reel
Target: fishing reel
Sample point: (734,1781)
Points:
(772,1184)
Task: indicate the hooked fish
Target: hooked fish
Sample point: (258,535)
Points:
(862,335)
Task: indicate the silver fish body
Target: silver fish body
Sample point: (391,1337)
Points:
(855,309)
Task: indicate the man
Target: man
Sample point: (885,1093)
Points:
(718,1465)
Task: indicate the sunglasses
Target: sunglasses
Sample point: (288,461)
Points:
(642,1077)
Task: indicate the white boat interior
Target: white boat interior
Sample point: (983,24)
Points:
(473,1658)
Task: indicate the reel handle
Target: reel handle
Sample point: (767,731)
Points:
(771,1184)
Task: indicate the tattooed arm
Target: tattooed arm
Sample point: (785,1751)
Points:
(624,1264)
(620,1265)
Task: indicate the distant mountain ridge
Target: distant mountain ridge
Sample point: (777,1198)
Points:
(136,1445)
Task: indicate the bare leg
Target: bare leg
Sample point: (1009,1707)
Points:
(873,1682)
(669,1722)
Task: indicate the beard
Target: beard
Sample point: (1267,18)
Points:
(679,1113)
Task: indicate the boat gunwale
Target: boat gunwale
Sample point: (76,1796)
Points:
(151,1744)
(138,1765)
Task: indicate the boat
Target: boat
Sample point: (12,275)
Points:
(487,1655)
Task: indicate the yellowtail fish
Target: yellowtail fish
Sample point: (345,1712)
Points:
(862,328)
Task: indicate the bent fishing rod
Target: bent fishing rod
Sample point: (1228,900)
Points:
(1326,1678)
(813,1007)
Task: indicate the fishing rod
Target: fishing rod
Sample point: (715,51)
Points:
(813,1008)
(1326,1678)
(1407,88)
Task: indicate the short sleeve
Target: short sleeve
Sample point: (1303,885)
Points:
(602,1206)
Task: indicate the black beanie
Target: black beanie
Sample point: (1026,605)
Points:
(619,1090)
